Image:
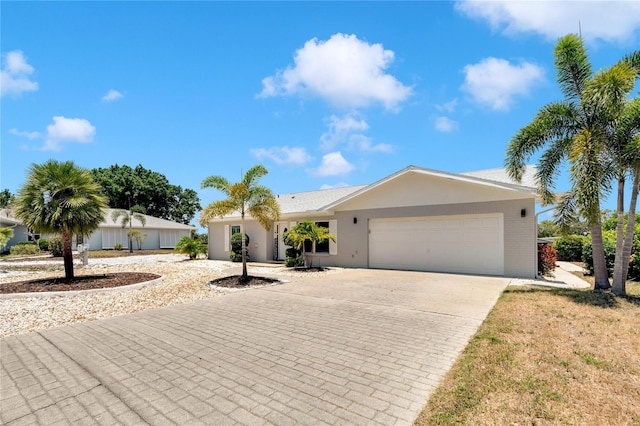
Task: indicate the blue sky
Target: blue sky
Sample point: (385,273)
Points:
(321,93)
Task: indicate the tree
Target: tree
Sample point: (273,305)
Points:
(573,131)
(246,196)
(5,235)
(625,149)
(126,186)
(137,236)
(307,231)
(61,198)
(126,218)
(547,228)
(6,198)
(191,247)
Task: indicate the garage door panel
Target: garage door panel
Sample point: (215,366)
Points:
(465,244)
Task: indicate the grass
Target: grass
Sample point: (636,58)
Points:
(547,356)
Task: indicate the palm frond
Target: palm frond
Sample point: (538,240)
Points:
(216,182)
(572,64)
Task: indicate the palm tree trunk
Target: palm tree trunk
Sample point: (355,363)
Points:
(628,238)
(618,281)
(67,255)
(599,262)
(244,250)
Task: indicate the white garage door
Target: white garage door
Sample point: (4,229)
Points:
(461,244)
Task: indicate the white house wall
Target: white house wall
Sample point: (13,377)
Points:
(260,240)
(105,238)
(415,189)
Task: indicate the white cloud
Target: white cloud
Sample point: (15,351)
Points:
(283,155)
(24,134)
(614,21)
(333,164)
(68,130)
(496,82)
(14,76)
(339,130)
(346,130)
(112,95)
(448,106)
(444,124)
(337,185)
(344,71)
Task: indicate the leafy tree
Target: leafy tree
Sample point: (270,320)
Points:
(137,236)
(547,228)
(126,186)
(5,235)
(191,247)
(246,196)
(6,198)
(575,131)
(307,231)
(61,198)
(126,218)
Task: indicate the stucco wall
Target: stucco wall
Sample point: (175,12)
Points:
(353,238)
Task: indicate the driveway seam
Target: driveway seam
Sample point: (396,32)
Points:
(95,377)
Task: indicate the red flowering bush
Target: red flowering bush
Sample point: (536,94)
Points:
(547,257)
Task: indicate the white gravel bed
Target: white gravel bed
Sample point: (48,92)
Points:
(183,281)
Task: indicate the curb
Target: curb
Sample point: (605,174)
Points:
(46,294)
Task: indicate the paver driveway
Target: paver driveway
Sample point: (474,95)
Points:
(354,347)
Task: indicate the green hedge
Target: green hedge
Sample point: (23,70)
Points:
(569,248)
(24,248)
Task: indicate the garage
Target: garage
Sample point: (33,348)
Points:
(472,244)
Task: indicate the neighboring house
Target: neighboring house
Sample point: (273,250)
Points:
(161,233)
(415,219)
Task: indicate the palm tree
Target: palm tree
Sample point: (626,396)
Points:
(246,196)
(574,130)
(5,235)
(126,218)
(61,198)
(626,153)
(307,231)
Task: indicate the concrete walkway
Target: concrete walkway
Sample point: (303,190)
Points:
(562,277)
(354,347)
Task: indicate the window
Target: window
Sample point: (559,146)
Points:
(322,247)
(235,229)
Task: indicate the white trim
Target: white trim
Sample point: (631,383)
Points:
(227,238)
(333,230)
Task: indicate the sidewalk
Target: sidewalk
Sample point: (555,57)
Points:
(562,278)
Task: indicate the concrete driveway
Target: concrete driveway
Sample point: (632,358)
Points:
(352,347)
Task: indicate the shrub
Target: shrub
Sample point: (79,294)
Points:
(43,244)
(24,248)
(55,246)
(191,247)
(569,248)
(293,258)
(609,243)
(634,267)
(547,258)
(236,247)
(117,246)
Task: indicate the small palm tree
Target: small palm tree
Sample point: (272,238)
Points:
(307,231)
(192,247)
(246,196)
(61,198)
(5,235)
(126,218)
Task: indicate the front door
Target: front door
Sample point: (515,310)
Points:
(281,228)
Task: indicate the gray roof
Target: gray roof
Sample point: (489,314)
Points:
(152,223)
(311,201)
(500,175)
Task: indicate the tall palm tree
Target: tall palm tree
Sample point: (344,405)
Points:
(626,153)
(574,130)
(61,198)
(246,196)
(126,218)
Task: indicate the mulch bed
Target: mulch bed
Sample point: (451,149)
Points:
(235,281)
(81,282)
